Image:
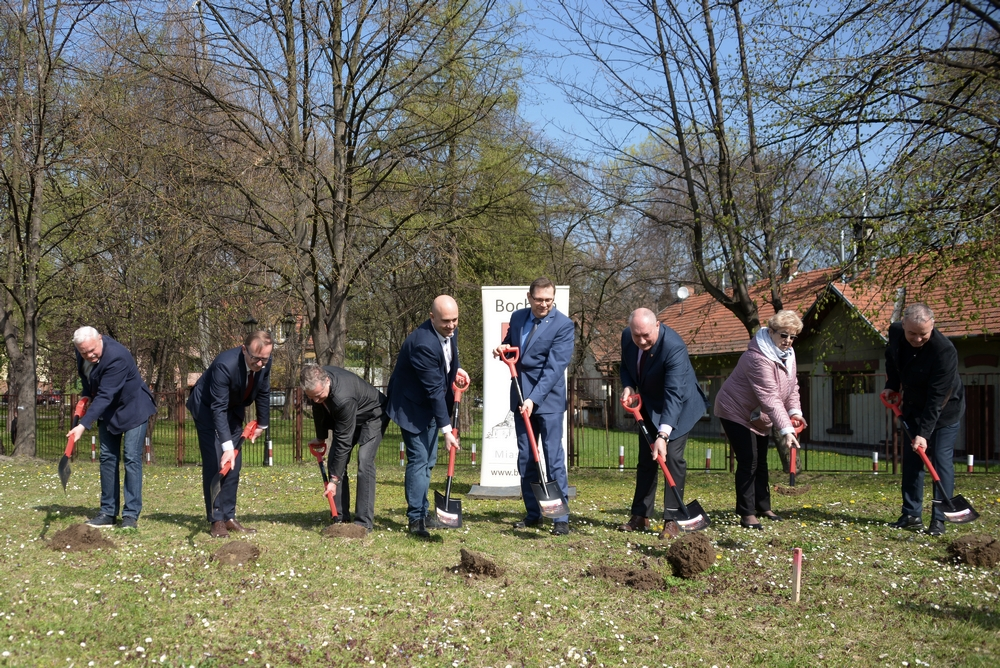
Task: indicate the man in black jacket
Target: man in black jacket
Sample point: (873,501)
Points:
(922,363)
(355,412)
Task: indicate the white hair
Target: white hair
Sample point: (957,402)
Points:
(312,376)
(85,334)
(918,313)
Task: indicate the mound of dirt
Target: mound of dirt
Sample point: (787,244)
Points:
(643,579)
(80,538)
(792,491)
(691,554)
(345,530)
(474,564)
(236,552)
(976,550)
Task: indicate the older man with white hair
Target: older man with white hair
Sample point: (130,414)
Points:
(121,405)
(922,363)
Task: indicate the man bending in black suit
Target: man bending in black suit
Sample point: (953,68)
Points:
(237,378)
(655,365)
(355,412)
(922,363)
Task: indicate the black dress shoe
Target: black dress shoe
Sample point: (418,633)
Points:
(560,528)
(907,522)
(417,529)
(528,524)
(936,528)
(747,525)
(773,516)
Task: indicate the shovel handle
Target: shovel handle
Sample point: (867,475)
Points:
(451,462)
(633,405)
(249,429)
(511,361)
(81,409)
(333,505)
(930,467)
(227,467)
(318,449)
(70,444)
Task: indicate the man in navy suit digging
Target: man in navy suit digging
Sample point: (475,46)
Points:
(121,405)
(237,378)
(546,339)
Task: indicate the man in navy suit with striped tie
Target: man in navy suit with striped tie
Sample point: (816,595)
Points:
(546,339)
(237,378)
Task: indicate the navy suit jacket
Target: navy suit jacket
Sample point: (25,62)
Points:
(541,367)
(669,389)
(217,397)
(419,389)
(117,392)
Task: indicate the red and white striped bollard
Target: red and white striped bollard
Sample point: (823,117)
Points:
(708,459)
(621,457)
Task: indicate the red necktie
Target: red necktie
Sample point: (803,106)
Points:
(249,389)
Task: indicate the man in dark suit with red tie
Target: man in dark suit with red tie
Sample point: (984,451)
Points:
(655,365)
(546,339)
(237,378)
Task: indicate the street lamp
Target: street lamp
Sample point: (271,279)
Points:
(250,324)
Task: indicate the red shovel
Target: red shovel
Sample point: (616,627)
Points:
(800,426)
(960,511)
(64,470)
(550,501)
(449,510)
(318,450)
(695,517)
(216,485)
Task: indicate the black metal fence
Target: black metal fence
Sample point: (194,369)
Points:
(849,429)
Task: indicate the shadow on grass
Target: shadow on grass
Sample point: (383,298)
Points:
(984,619)
(55,511)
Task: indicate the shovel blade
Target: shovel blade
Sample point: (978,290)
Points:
(549,501)
(697,518)
(961,511)
(448,511)
(64,471)
(214,488)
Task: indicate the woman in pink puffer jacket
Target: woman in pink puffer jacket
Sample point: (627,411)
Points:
(761,392)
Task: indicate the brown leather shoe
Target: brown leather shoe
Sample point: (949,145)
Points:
(234,525)
(670,530)
(636,523)
(219,530)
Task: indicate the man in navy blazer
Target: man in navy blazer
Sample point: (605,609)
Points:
(237,378)
(546,339)
(655,364)
(121,404)
(420,399)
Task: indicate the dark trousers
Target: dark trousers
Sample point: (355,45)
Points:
(211,453)
(648,472)
(368,436)
(941,452)
(753,495)
(548,430)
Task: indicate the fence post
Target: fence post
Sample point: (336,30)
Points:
(297,400)
(574,456)
(179,416)
(971,465)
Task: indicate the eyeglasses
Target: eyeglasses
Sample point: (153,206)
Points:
(539,300)
(254,358)
(787,337)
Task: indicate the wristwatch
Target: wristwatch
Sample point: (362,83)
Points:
(664,435)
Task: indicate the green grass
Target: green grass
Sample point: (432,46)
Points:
(872,596)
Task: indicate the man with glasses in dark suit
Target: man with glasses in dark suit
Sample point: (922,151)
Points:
(236,379)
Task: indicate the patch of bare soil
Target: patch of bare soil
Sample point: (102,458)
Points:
(792,491)
(345,530)
(976,550)
(236,552)
(691,554)
(476,564)
(80,538)
(642,579)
